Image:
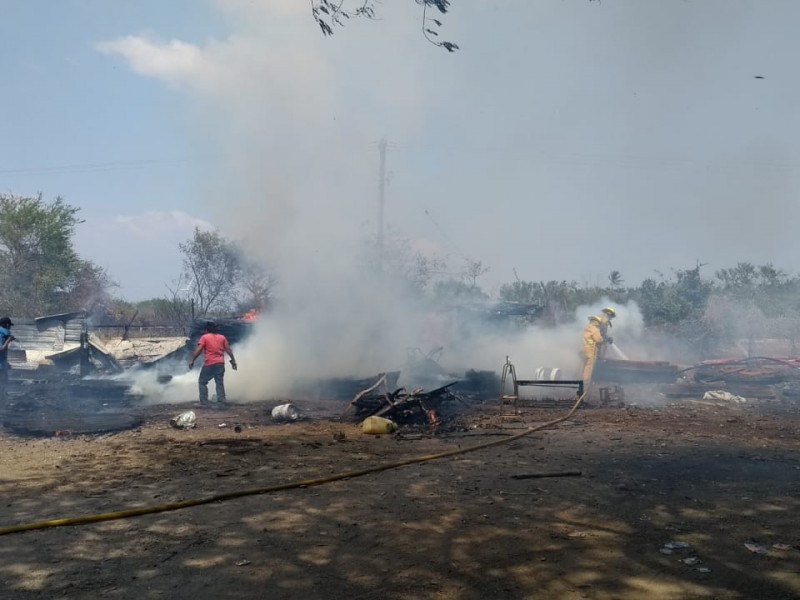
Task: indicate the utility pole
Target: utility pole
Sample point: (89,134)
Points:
(381,197)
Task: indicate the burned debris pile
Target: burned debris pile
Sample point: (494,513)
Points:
(64,380)
(60,343)
(68,404)
(415,408)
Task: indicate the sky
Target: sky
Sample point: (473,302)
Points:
(563,140)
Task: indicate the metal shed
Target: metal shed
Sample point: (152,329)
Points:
(35,339)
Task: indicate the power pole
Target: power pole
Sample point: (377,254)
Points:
(381,197)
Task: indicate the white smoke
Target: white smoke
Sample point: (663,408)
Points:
(540,346)
(296,123)
(182,387)
(297,182)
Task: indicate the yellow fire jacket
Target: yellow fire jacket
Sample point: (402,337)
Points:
(592,336)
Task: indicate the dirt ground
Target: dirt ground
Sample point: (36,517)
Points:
(460,528)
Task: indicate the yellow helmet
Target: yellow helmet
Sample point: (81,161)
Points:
(594,319)
(610,311)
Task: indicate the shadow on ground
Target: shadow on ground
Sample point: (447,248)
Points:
(461,528)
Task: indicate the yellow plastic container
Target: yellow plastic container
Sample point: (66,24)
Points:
(378,425)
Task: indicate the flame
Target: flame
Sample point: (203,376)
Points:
(251,315)
(434,419)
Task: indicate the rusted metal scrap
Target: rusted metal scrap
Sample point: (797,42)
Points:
(633,371)
(757,370)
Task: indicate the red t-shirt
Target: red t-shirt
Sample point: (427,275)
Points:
(214,345)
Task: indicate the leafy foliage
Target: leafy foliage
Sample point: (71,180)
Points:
(217,279)
(744,302)
(670,301)
(256,287)
(615,279)
(397,262)
(40,270)
(211,268)
(454,292)
(331,13)
(41,273)
(88,288)
(560,299)
(472,271)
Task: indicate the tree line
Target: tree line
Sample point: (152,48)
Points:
(43,274)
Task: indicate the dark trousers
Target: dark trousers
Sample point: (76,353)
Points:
(3,384)
(207,373)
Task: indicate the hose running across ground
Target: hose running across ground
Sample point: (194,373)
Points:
(150,510)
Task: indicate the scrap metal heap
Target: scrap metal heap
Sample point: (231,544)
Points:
(761,377)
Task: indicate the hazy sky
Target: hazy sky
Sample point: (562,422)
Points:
(566,138)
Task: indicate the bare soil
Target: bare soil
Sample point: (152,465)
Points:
(461,528)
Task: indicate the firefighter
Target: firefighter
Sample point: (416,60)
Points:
(592,342)
(605,317)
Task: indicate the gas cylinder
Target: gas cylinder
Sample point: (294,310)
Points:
(378,425)
(547,374)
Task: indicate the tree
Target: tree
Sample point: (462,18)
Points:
(693,291)
(331,13)
(40,270)
(396,261)
(669,302)
(473,270)
(423,271)
(465,289)
(453,292)
(89,288)
(559,299)
(257,287)
(177,308)
(615,279)
(211,271)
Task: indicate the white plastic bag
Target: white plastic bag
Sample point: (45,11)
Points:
(724,396)
(186,420)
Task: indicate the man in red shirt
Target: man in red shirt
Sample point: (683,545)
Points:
(215,346)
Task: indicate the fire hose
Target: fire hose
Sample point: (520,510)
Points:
(150,510)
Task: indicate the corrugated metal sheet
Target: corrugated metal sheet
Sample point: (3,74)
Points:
(46,336)
(72,331)
(64,317)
